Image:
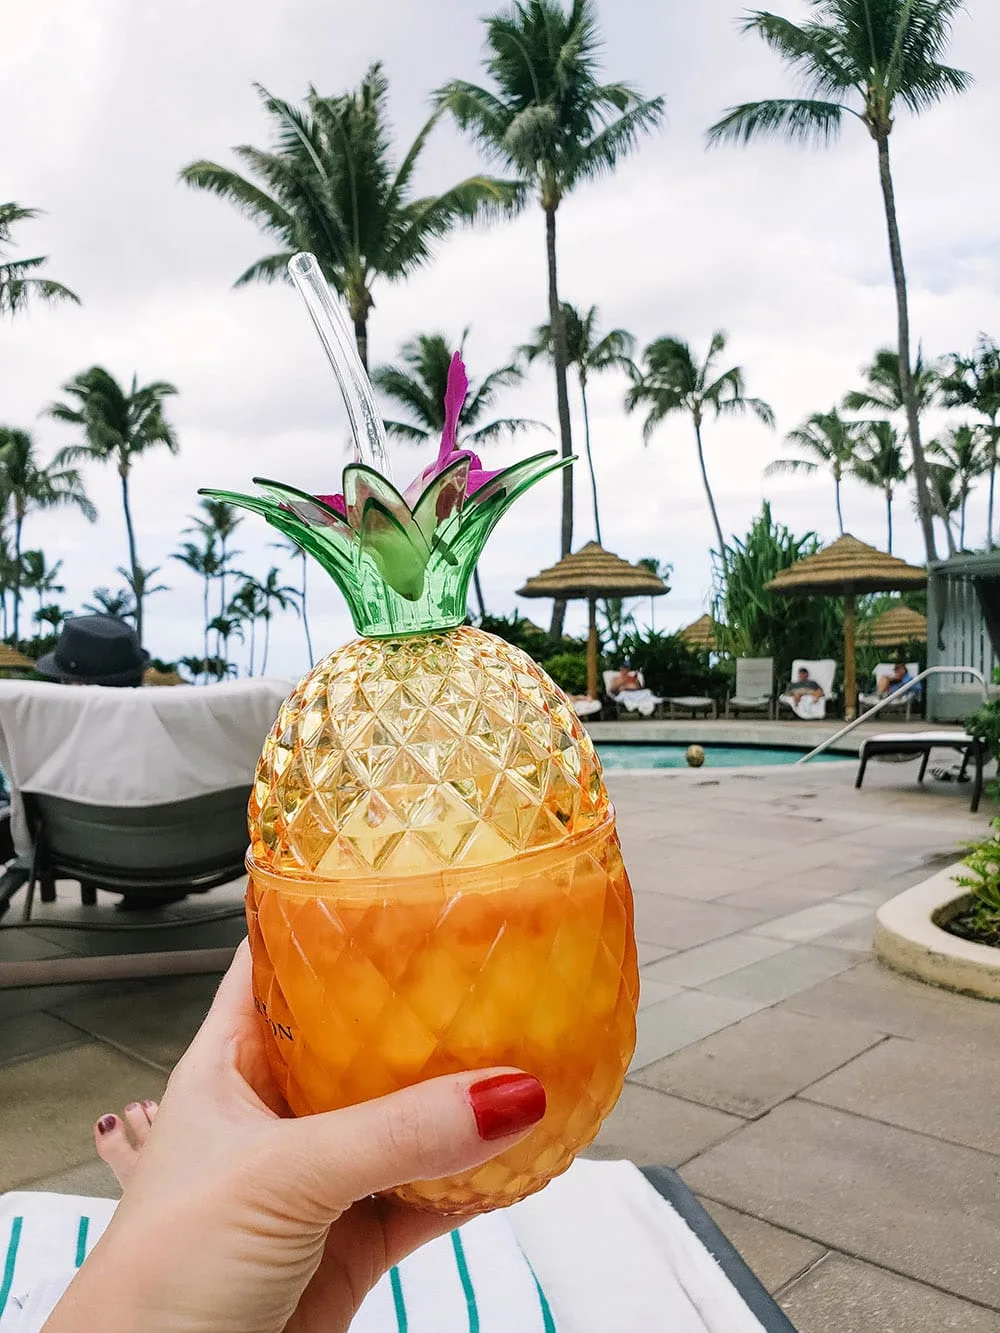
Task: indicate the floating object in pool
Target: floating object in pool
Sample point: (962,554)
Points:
(695,756)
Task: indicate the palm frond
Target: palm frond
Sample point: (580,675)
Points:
(781,466)
(794,118)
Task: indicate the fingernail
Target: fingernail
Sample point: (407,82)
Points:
(106,1124)
(148,1105)
(505,1104)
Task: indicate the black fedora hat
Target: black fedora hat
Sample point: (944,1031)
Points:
(96,650)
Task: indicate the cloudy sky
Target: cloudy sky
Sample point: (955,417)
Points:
(104,100)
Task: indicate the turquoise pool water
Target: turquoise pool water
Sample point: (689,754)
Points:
(638,755)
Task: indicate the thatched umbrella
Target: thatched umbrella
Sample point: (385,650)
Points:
(700,635)
(593,574)
(12,660)
(844,569)
(895,628)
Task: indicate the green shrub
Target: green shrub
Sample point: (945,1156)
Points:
(569,671)
(670,667)
(523,634)
(983,881)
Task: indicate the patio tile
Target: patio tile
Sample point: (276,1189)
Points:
(777,897)
(924,1208)
(695,966)
(651,953)
(652,992)
(857,937)
(783,974)
(680,924)
(938,1090)
(672,1024)
(25,946)
(843,1295)
(50,1104)
(33,999)
(811,922)
(208,935)
(871,993)
(775,1256)
(757,1063)
(652,1129)
(92,1180)
(32,1034)
(155,1022)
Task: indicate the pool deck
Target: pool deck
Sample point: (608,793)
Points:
(837,1119)
(751,731)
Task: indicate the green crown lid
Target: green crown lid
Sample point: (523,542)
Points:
(402,561)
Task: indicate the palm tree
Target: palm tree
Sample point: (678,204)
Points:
(672,381)
(19,280)
(964,453)
(879,462)
(291,548)
(140,584)
(974,381)
(947,496)
(883,391)
(828,441)
(212,668)
(861,59)
(226,627)
(328,186)
(108,603)
(662,570)
(246,606)
(118,427)
(32,486)
(37,576)
(591,353)
(219,523)
(203,561)
(52,615)
(419,384)
(280,595)
(550,121)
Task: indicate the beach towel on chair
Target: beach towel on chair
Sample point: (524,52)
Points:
(807,708)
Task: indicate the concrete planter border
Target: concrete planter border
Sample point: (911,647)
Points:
(909,938)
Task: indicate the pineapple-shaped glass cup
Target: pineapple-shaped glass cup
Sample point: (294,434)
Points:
(436,883)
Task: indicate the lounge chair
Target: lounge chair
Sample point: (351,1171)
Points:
(642,700)
(754,687)
(913,743)
(604,1246)
(824,673)
(904,703)
(588,707)
(692,705)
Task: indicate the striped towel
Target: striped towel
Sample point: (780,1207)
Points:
(597,1249)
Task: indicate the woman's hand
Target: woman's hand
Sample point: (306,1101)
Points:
(239,1220)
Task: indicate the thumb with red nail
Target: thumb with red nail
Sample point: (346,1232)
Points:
(239,1218)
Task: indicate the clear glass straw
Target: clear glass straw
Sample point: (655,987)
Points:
(338,342)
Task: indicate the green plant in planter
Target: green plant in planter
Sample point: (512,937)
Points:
(985,726)
(569,671)
(983,882)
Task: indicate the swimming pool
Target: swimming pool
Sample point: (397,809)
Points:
(639,755)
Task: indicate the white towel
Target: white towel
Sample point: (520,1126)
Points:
(638,701)
(806,707)
(598,1249)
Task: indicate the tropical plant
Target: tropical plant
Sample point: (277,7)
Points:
(548,119)
(829,442)
(29,486)
(218,522)
(140,584)
(864,59)
(974,381)
(670,380)
(20,281)
(590,352)
(107,603)
(669,667)
(419,384)
(946,492)
(615,623)
(246,606)
(662,570)
(569,671)
(38,576)
(303,589)
(329,186)
(981,874)
(203,561)
(226,627)
(118,427)
(964,453)
(212,668)
(879,462)
(883,387)
(274,593)
(753,622)
(52,615)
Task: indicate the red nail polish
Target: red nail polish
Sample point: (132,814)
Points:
(106,1124)
(506,1104)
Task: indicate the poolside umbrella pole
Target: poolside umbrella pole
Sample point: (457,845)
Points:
(846,569)
(593,574)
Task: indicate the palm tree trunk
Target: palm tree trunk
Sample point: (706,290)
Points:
(18,523)
(961,525)
(305,614)
(559,356)
(133,558)
(708,492)
(477,584)
(993,480)
(590,456)
(888,515)
(204,637)
(267,642)
(840,512)
(361,338)
(253,641)
(925,504)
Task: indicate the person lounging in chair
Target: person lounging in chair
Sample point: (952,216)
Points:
(805,697)
(890,684)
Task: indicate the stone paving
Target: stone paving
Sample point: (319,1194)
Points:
(838,1120)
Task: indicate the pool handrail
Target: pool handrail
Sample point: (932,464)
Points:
(894,698)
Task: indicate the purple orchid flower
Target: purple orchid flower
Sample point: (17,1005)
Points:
(452,497)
